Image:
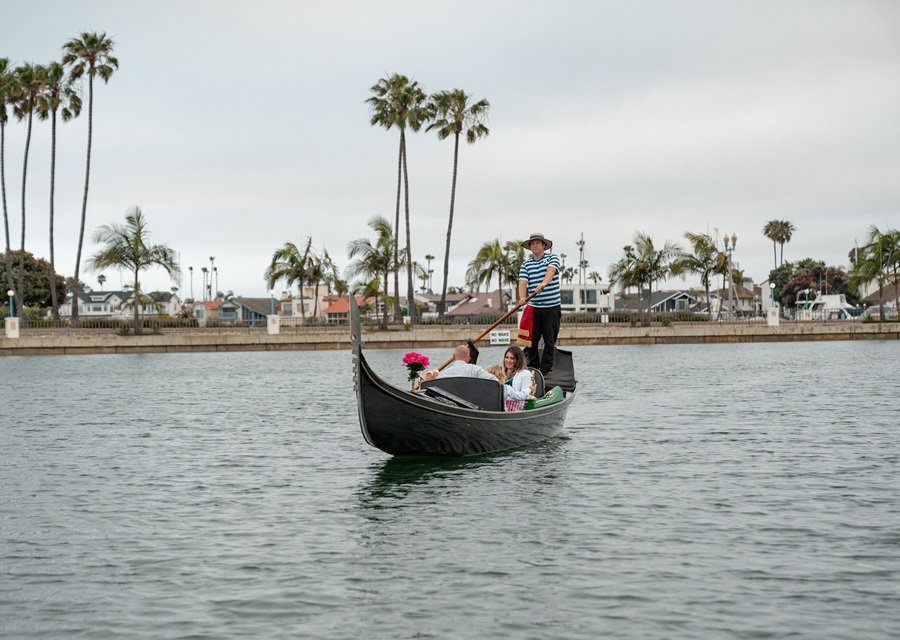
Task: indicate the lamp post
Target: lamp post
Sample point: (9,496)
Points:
(772,287)
(272,297)
(729,250)
(12,301)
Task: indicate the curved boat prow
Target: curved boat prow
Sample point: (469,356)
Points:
(356,340)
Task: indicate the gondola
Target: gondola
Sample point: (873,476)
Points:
(437,421)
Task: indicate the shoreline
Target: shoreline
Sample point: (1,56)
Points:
(85,343)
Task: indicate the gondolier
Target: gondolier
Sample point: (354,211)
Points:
(540,275)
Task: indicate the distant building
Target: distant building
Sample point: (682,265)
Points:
(587,298)
(111,305)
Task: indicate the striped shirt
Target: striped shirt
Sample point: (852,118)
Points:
(533,272)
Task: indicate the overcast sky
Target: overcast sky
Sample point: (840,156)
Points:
(237,126)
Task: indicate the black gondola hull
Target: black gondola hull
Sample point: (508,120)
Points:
(401,422)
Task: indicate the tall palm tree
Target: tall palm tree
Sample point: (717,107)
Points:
(59,95)
(703,260)
(771,230)
(91,54)
(101,279)
(399,102)
(642,265)
(31,83)
(785,233)
(375,258)
(127,249)
(294,265)
(9,89)
(453,115)
(489,262)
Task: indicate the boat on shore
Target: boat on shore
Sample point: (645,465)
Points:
(449,417)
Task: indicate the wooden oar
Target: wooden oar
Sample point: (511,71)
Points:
(472,342)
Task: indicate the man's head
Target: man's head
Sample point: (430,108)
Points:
(537,244)
(461,353)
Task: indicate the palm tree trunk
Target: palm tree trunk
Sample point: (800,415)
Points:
(397,233)
(782,253)
(8,257)
(775,252)
(21,287)
(410,291)
(449,228)
(137,300)
(54,302)
(384,304)
(87,177)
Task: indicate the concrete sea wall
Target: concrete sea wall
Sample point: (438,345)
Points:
(88,342)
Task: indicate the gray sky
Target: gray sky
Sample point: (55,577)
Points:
(237,126)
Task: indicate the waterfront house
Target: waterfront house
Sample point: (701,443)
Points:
(338,311)
(115,305)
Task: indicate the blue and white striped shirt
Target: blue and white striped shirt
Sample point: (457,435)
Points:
(533,272)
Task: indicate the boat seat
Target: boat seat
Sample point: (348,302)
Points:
(538,382)
(487,395)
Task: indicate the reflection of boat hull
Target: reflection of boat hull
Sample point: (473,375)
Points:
(402,422)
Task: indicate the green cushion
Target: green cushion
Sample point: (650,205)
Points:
(551,397)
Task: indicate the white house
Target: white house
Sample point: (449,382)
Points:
(108,305)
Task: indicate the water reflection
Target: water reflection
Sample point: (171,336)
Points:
(399,476)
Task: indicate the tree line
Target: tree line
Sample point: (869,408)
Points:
(53,92)
(645,264)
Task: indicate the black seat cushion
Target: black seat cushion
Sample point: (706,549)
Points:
(485,394)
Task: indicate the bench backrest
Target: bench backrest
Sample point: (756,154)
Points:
(486,394)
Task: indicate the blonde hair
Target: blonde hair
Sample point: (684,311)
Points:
(497,371)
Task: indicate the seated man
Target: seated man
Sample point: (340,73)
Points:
(460,367)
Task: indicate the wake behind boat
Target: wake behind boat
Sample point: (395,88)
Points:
(453,416)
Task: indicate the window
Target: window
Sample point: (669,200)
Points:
(287,309)
(567,297)
(97,308)
(588,296)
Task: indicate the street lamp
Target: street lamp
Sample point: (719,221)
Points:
(730,250)
(272,296)
(772,287)
(11,295)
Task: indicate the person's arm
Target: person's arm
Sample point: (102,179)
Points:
(521,387)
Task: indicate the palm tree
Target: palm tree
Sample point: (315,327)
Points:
(515,256)
(90,54)
(59,96)
(453,115)
(879,261)
(9,89)
(101,279)
(785,234)
(642,265)
(293,265)
(375,259)
(127,249)
(704,260)
(489,262)
(595,277)
(772,231)
(31,83)
(400,102)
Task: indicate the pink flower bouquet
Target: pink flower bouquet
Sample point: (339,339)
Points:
(415,363)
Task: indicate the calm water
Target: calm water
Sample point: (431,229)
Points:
(717,491)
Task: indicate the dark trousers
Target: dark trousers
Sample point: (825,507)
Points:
(545,324)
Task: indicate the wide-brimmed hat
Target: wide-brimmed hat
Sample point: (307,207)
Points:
(537,236)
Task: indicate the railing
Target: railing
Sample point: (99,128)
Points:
(295,324)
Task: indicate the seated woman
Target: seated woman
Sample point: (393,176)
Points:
(520,384)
